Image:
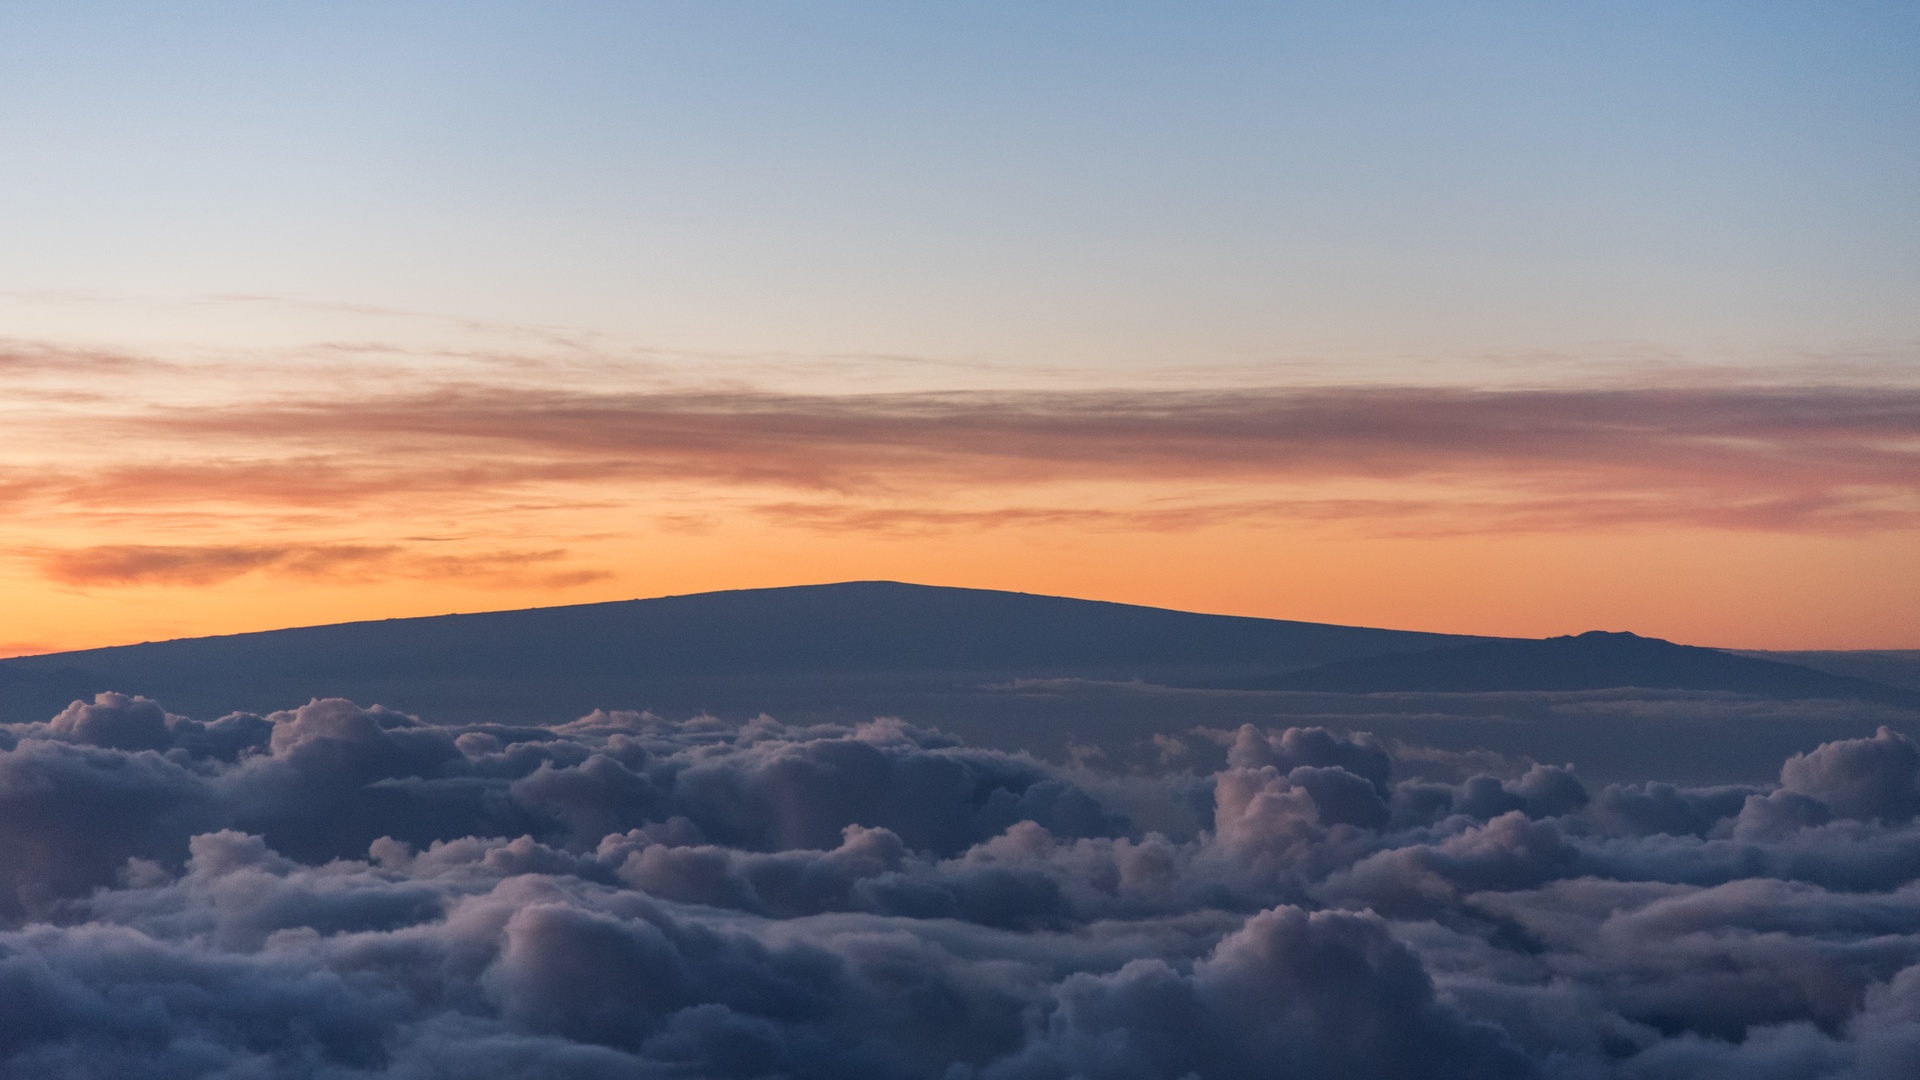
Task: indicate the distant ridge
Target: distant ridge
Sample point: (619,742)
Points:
(677,647)
(1894,667)
(1596,660)
(860,649)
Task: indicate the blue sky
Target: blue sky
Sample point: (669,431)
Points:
(1105,185)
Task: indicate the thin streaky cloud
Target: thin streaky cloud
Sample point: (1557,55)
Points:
(1778,457)
(152,564)
(1852,434)
(1432,517)
(36,358)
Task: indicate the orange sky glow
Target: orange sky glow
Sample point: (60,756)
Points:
(150,496)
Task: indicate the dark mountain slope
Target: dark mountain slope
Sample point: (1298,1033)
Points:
(1007,670)
(690,648)
(1596,660)
(1894,667)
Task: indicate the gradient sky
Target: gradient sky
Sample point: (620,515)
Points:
(1499,318)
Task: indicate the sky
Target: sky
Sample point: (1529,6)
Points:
(1494,318)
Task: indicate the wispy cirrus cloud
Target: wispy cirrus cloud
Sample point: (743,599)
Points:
(360,443)
(1851,434)
(1772,458)
(1435,515)
(155,564)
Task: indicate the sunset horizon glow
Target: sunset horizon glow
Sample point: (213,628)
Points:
(267,488)
(1521,325)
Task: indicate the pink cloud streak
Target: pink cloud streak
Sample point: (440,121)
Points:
(1756,458)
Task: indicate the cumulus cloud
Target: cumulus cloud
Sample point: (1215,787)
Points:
(347,890)
(1860,778)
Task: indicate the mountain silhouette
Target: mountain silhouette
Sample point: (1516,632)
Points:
(1596,660)
(1042,674)
(694,647)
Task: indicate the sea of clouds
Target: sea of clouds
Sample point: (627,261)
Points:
(339,891)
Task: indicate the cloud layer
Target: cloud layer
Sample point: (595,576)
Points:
(346,891)
(1735,456)
(131,564)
